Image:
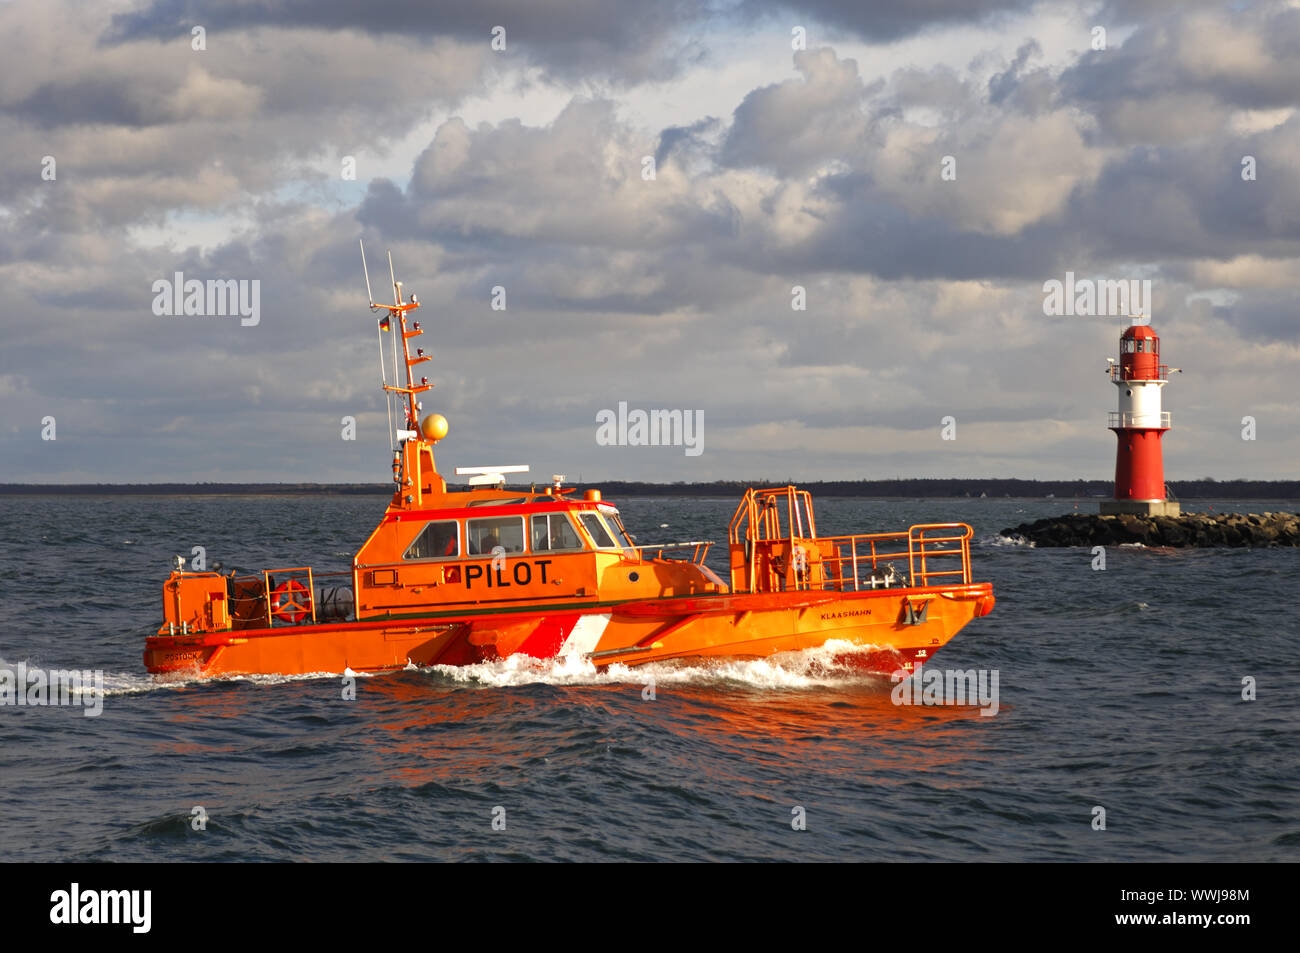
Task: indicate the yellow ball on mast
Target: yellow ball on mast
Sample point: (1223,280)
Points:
(434,427)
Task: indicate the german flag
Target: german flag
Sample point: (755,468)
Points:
(386,323)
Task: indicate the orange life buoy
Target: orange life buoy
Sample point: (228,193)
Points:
(286,603)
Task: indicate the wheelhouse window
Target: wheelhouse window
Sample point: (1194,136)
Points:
(615,524)
(599,534)
(440,540)
(485,534)
(552,532)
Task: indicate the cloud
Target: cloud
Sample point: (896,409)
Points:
(140,129)
(923,291)
(887,20)
(1180,77)
(616,40)
(798,125)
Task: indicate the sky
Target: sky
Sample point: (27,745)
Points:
(821,229)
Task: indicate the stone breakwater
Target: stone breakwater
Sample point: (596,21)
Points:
(1190,529)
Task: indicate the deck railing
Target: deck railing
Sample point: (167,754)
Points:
(927,554)
(936,553)
(699,550)
(253,600)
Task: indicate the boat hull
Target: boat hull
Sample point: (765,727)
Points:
(908,625)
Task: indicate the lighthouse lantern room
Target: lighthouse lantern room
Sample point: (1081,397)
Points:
(1139,424)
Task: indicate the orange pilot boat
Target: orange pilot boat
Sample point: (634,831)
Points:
(458,576)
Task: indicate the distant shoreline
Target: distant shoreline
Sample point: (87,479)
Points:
(882,489)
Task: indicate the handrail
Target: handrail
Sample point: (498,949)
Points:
(317,575)
(766,525)
(1117,373)
(835,562)
(698,555)
(917,535)
(1136,419)
(922,545)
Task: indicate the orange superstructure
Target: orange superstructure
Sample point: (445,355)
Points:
(459,576)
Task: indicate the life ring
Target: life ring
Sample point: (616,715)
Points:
(285,604)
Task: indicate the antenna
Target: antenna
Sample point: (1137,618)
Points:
(369,294)
(489,476)
(397,286)
(468,471)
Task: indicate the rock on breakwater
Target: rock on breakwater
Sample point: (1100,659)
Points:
(1190,529)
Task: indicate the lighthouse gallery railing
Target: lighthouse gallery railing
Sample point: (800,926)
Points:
(1161,374)
(1129,419)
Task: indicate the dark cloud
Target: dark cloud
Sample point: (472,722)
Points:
(1005,84)
(1247,57)
(619,40)
(871,236)
(687,144)
(1191,201)
(1263,316)
(885,20)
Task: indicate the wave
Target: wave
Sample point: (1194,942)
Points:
(133,683)
(831,664)
(997,539)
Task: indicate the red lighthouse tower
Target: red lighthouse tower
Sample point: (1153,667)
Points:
(1139,423)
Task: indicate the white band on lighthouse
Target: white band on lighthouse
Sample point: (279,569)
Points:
(1139,403)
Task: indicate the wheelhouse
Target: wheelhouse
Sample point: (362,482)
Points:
(483,547)
(534,527)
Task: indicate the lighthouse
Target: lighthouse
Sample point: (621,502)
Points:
(1139,424)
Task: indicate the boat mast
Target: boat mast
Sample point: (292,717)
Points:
(398,309)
